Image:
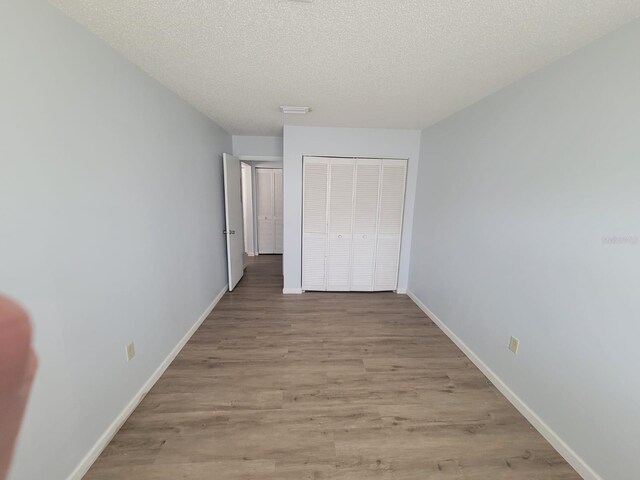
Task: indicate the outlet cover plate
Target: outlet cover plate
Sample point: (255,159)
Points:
(514,343)
(130,351)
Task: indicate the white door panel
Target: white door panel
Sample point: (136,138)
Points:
(341,196)
(264,210)
(387,254)
(264,185)
(365,210)
(391,207)
(269,210)
(365,223)
(362,262)
(341,175)
(233,218)
(266,235)
(392,196)
(314,261)
(316,183)
(338,262)
(314,223)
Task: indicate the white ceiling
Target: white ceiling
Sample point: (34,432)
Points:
(356,63)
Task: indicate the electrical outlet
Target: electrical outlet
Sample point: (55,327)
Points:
(514,343)
(131,351)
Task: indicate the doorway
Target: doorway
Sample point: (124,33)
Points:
(262,208)
(253,210)
(352,219)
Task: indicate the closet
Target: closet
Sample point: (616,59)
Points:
(269,210)
(352,223)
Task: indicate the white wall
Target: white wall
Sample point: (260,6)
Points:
(519,198)
(111,219)
(257,146)
(341,142)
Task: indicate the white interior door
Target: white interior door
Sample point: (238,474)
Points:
(314,222)
(265,214)
(340,224)
(269,210)
(233,218)
(391,208)
(365,224)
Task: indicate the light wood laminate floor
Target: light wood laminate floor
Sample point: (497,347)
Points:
(357,386)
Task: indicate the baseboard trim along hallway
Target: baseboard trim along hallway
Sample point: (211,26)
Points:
(552,437)
(324,385)
(292,291)
(111,431)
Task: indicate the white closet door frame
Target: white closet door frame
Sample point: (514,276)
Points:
(328,161)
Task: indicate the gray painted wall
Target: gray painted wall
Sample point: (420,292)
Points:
(257,145)
(527,223)
(111,213)
(341,142)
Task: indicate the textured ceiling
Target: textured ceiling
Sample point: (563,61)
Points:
(356,63)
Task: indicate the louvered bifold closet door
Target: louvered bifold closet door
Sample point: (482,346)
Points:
(391,206)
(277,210)
(314,222)
(264,210)
(341,175)
(365,219)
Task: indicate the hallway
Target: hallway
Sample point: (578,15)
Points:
(324,385)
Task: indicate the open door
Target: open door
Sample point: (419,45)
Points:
(233,213)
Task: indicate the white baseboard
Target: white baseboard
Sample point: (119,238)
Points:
(563,449)
(292,291)
(401,291)
(111,431)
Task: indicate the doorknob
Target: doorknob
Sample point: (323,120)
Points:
(230,232)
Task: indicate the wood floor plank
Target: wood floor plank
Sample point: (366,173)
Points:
(340,386)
